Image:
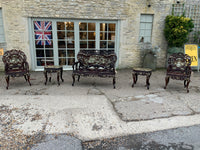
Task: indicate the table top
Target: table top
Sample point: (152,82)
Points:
(142,69)
(52,67)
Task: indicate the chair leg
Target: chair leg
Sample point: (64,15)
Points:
(78,78)
(73,77)
(114,82)
(166,82)
(28,79)
(188,82)
(7,80)
(185,83)
(25,78)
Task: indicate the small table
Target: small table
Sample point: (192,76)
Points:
(53,69)
(141,71)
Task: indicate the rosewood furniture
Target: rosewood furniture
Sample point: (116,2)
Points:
(99,63)
(16,65)
(53,69)
(141,71)
(179,69)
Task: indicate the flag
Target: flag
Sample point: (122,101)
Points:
(43,32)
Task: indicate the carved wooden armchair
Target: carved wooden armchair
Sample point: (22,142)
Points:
(179,69)
(16,65)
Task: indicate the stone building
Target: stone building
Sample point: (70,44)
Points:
(53,31)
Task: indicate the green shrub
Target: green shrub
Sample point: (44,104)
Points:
(177,29)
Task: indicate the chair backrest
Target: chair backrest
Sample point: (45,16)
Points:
(97,58)
(179,61)
(14,59)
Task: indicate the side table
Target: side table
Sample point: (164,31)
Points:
(141,71)
(53,69)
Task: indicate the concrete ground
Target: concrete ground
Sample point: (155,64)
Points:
(92,109)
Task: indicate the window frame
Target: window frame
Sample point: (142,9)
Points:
(143,28)
(76,38)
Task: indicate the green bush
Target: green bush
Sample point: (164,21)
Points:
(177,29)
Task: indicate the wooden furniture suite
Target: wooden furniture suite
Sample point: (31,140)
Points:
(179,69)
(53,69)
(16,65)
(141,71)
(99,63)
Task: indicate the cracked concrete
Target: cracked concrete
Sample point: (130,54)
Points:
(92,109)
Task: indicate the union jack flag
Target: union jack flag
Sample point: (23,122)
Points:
(43,32)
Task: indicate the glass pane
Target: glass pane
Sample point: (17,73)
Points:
(91,35)
(142,32)
(69,25)
(71,61)
(49,61)
(111,44)
(42,25)
(91,26)
(143,18)
(70,45)
(103,44)
(111,36)
(83,44)
(147,32)
(103,35)
(103,27)
(148,25)
(111,27)
(61,44)
(40,62)
(147,39)
(83,26)
(83,35)
(70,35)
(61,34)
(49,53)
(142,25)
(91,44)
(62,53)
(48,44)
(60,26)
(38,46)
(39,53)
(62,61)
(70,53)
(149,18)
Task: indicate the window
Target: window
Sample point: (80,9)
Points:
(65,38)
(57,41)
(146,23)
(107,36)
(43,42)
(87,35)
(2,37)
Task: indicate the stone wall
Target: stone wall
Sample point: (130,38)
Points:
(17,12)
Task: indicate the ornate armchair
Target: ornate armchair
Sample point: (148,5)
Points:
(16,65)
(179,69)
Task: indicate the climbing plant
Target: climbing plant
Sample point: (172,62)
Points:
(177,29)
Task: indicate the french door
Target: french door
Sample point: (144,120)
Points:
(57,42)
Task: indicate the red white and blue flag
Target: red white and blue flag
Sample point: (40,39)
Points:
(43,32)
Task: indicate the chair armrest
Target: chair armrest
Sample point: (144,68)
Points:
(75,65)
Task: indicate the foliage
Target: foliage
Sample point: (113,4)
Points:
(177,29)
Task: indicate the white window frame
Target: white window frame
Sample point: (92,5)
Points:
(146,27)
(2,34)
(76,38)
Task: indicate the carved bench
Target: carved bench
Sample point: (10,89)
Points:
(99,63)
(179,69)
